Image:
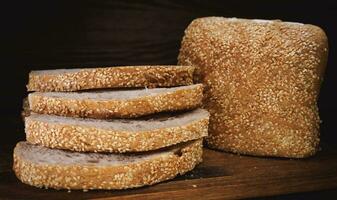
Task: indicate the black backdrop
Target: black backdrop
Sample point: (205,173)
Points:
(66,34)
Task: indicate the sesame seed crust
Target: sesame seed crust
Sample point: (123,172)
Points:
(186,97)
(89,177)
(262,81)
(25,108)
(110,77)
(88,138)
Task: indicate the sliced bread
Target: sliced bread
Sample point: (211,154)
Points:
(119,135)
(116,103)
(109,77)
(51,168)
(25,108)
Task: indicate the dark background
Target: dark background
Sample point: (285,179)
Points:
(66,34)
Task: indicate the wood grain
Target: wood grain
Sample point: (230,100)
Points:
(220,176)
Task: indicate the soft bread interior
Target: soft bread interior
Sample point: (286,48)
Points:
(74,70)
(42,155)
(56,71)
(114,94)
(150,123)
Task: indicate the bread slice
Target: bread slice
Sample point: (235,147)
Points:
(262,81)
(117,103)
(52,168)
(109,77)
(25,108)
(119,135)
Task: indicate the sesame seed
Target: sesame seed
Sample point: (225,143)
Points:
(146,171)
(261,83)
(110,77)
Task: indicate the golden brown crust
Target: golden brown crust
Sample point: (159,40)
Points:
(112,77)
(25,108)
(92,139)
(180,99)
(132,175)
(261,82)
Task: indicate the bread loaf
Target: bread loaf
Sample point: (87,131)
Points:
(262,81)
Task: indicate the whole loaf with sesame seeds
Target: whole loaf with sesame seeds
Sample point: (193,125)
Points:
(116,103)
(118,135)
(262,81)
(52,168)
(109,77)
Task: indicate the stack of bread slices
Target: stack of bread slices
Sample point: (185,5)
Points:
(110,128)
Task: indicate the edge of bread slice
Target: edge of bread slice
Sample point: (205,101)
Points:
(109,77)
(119,135)
(52,168)
(116,103)
(25,108)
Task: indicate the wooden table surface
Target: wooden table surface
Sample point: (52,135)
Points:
(220,176)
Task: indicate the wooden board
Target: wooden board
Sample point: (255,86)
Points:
(221,175)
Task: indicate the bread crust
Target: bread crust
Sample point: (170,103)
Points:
(180,99)
(111,77)
(262,81)
(91,177)
(94,139)
(25,108)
